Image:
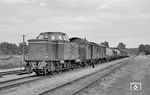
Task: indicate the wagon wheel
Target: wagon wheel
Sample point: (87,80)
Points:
(46,70)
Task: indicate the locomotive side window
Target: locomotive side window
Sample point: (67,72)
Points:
(65,37)
(56,37)
(42,36)
(45,36)
(52,37)
(60,37)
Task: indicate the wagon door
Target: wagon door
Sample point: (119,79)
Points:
(91,51)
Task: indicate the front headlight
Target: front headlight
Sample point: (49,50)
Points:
(27,56)
(62,62)
(46,56)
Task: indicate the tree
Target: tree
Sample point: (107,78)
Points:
(8,48)
(147,49)
(121,46)
(144,49)
(1,52)
(141,49)
(105,44)
(21,48)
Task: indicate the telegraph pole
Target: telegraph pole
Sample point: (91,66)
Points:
(23,47)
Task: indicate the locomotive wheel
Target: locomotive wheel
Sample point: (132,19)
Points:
(39,73)
(51,72)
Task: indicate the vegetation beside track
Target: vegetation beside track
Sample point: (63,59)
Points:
(11,61)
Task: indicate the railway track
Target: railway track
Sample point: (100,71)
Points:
(11,72)
(12,83)
(104,75)
(17,82)
(34,79)
(75,86)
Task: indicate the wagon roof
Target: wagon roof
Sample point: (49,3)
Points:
(114,48)
(79,39)
(92,43)
(102,45)
(119,49)
(123,50)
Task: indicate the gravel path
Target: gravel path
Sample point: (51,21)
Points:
(119,83)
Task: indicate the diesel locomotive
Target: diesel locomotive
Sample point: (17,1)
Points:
(54,51)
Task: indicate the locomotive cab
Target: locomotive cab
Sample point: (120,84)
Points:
(54,36)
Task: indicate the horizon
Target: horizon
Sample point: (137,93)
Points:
(26,41)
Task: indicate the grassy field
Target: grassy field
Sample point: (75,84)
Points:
(11,61)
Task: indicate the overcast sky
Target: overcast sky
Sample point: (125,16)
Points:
(114,21)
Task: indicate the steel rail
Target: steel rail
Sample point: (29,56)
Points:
(104,75)
(11,72)
(31,79)
(4,85)
(17,82)
(69,82)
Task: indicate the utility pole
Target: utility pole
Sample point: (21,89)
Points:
(23,47)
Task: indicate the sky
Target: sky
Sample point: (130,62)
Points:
(115,21)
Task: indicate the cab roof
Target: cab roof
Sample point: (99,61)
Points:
(52,33)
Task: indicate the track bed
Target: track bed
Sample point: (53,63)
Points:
(55,81)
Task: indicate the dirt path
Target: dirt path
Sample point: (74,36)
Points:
(121,81)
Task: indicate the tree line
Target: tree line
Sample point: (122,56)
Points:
(119,46)
(11,48)
(144,49)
